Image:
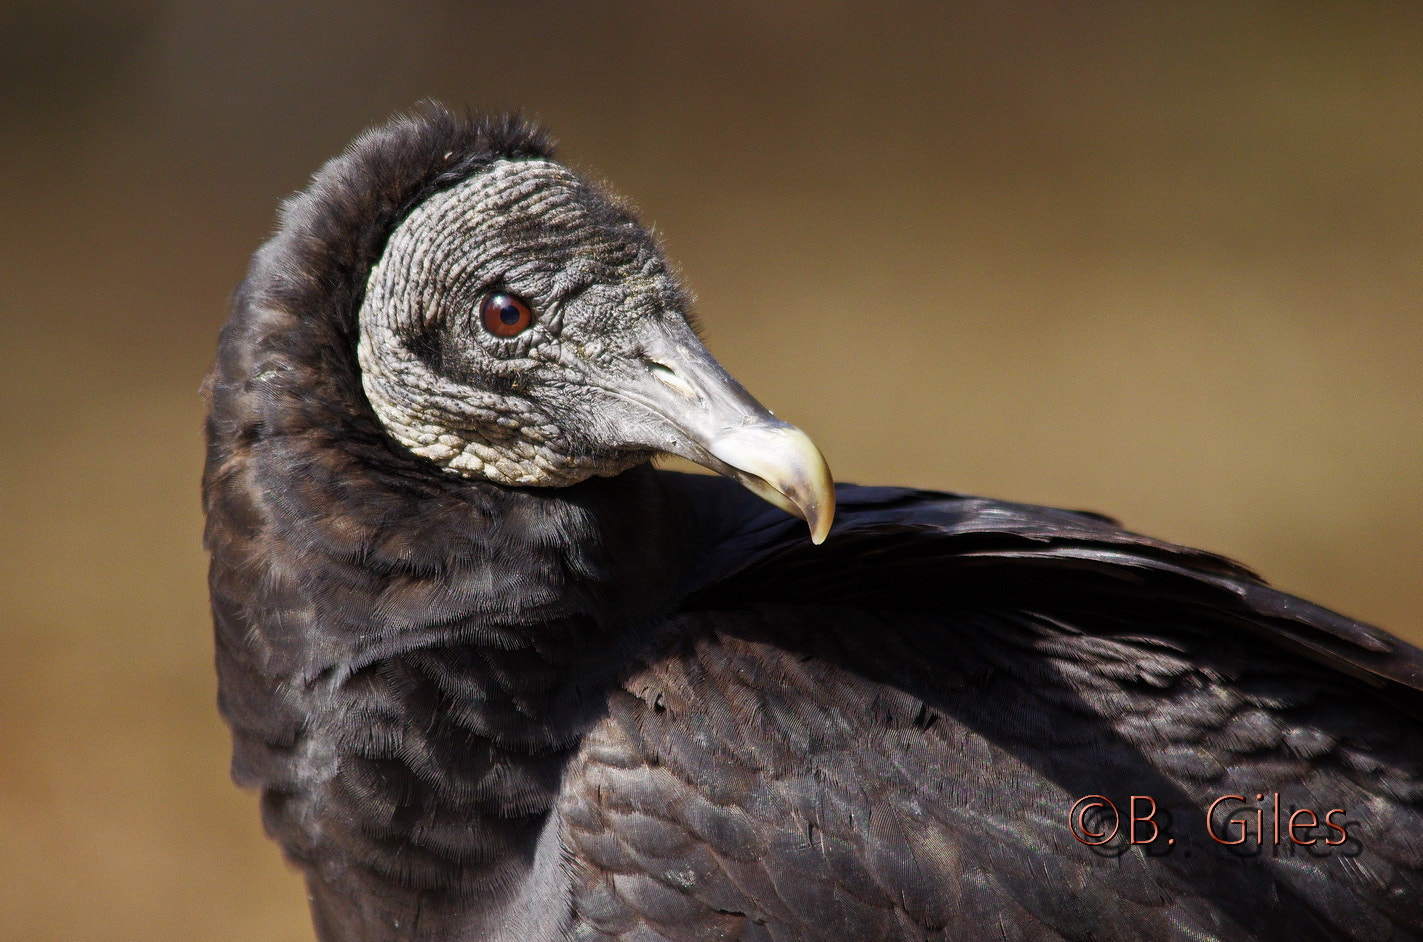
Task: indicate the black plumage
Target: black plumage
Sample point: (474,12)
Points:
(642,705)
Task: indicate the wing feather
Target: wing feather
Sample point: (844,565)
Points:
(891,749)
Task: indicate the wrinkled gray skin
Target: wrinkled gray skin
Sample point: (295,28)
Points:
(532,409)
(609,374)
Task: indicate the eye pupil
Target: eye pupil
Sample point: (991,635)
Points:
(505,315)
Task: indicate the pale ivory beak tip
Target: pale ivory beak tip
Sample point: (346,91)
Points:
(782,465)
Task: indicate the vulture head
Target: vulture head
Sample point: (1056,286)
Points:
(522,327)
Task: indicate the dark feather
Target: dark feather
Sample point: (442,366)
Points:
(644,707)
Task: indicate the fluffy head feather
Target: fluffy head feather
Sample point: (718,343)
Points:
(299,301)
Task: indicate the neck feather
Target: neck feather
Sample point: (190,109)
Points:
(406,658)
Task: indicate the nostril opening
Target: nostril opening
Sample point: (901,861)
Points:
(669,378)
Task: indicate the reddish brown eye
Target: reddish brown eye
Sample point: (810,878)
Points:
(505,315)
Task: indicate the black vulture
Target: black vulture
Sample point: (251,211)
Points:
(495,676)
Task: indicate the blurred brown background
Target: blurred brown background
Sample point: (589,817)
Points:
(1166,267)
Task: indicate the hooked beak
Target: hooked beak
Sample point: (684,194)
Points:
(716,423)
